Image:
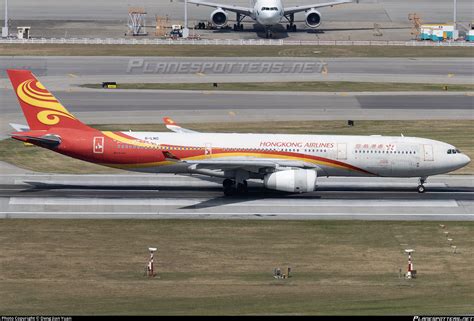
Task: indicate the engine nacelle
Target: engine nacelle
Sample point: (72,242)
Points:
(219,17)
(313,18)
(292,180)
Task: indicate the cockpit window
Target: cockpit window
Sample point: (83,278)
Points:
(269,9)
(454,151)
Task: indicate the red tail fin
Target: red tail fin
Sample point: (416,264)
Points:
(41,109)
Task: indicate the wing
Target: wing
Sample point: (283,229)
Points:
(232,8)
(171,125)
(231,163)
(250,165)
(296,9)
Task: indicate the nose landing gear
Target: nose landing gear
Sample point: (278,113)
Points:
(421,187)
(268,33)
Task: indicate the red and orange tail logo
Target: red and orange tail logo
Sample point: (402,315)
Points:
(41,109)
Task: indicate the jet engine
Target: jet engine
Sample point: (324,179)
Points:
(313,18)
(292,180)
(219,17)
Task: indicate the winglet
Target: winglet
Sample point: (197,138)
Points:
(173,126)
(169,121)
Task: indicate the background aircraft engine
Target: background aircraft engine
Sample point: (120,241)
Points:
(292,180)
(219,18)
(313,18)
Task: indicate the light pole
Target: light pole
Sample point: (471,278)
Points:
(5,28)
(185,29)
(455,14)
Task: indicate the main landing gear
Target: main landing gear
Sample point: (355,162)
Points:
(239,26)
(232,188)
(421,187)
(291,26)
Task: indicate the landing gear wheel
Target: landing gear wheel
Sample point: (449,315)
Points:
(229,187)
(242,188)
(421,188)
(228,183)
(229,191)
(294,28)
(287,27)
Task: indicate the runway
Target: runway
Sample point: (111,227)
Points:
(62,73)
(183,197)
(134,107)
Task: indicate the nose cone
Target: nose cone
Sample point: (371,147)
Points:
(464,160)
(269,18)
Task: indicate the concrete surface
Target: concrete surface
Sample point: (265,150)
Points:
(54,18)
(170,196)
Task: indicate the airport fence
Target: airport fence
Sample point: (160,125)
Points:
(234,42)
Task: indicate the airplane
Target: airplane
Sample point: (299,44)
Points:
(267,13)
(288,163)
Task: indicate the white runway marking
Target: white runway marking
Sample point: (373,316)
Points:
(238,203)
(210,215)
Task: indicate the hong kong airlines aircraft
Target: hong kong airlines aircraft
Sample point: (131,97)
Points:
(289,163)
(267,13)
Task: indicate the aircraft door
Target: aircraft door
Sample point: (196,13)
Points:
(428,152)
(208,150)
(342,151)
(98,145)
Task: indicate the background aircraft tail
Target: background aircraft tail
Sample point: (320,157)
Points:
(41,109)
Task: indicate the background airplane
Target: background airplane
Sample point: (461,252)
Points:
(267,13)
(289,163)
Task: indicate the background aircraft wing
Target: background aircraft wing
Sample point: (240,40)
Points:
(296,9)
(173,126)
(228,7)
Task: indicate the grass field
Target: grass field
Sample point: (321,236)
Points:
(324,86)
(459,133)
(231,51)
(225,267)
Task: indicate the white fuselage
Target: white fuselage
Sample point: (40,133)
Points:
(267,12)
(329,155)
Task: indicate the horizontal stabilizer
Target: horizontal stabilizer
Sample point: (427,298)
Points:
(37,138)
